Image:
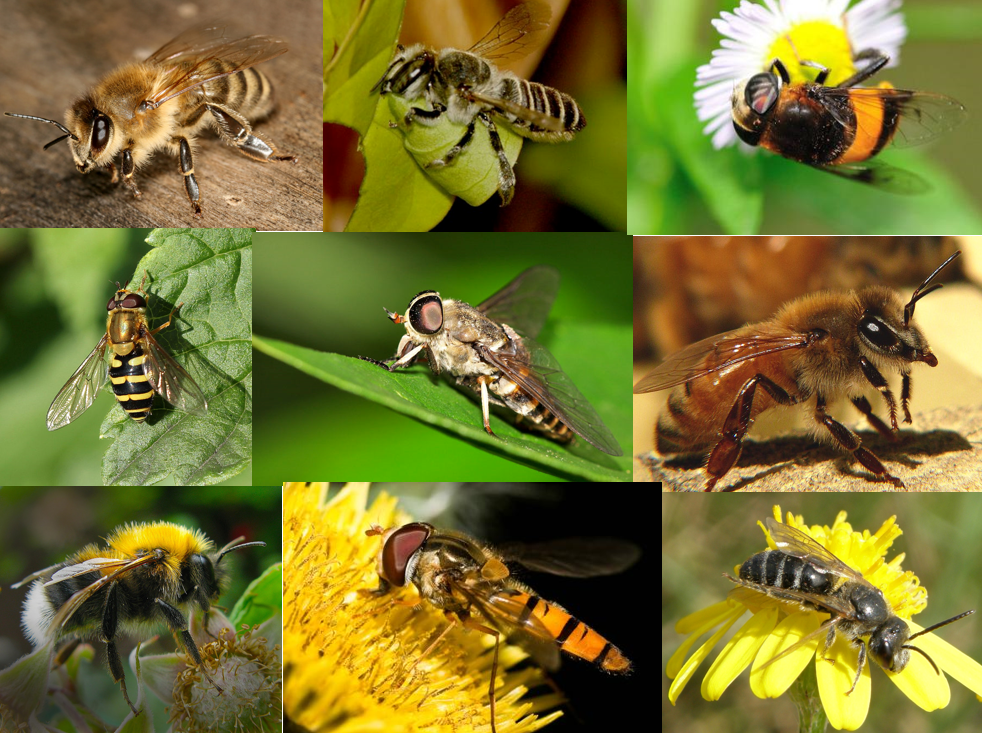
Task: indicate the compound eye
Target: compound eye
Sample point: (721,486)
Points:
(426,314)
(761,93)
(399,549)
(132,300)
(112,304)
(877,333)
(101,128)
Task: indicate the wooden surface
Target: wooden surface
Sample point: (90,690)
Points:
(54,51)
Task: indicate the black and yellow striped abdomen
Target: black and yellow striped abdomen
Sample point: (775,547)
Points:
(130,385)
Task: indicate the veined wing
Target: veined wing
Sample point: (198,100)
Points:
(794,542)
(171,381)
(81,389)
(539,119)
(715,354)
(524,303)
(516,33)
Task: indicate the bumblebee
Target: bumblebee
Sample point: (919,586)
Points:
(150,574)
(139,367)
(838,129)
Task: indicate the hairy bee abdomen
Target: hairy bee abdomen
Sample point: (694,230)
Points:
(130,385)
(548,101)
(249,91)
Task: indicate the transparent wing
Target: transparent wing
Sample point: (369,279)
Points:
(715,354)
(516,33)
(204,54)
(923,115)
(81,389)
(574,557)
(794,542)
(171,381)
(825,603)
(524,303)
(880,175)
(539,119)
(542,378)
(75,602)
(93,564)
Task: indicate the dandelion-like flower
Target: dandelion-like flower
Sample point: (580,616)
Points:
(774,639)
(824,32)
(356,662)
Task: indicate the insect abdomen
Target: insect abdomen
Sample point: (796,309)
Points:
(776,569)
(548,101)
(248,91)
(572,635)
(130,385)
(531,409)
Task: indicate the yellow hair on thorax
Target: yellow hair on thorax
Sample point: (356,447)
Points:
(178,542)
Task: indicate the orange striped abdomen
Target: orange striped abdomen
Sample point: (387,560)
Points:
(572,635)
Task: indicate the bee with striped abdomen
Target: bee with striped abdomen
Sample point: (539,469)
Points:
(490,350)
(139,367)
(198,80)
(468,87)
(838,129)
(470,581)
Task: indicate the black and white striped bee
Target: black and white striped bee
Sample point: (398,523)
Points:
(466,86)
(139,367)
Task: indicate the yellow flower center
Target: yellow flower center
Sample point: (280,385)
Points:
(817,41)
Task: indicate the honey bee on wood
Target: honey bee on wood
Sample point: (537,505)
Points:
(816,349)
(200,79)
(802,571)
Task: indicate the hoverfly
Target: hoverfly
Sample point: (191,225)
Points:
(138,368)
(482,348)
(469,580)
(801,571)
(838,129)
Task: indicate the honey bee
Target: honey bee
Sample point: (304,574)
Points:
(801,571)
(199,79)
(820,346)
(139,367)
(467,87)
(151,574)
(482,347)
(465,578)
(838,129)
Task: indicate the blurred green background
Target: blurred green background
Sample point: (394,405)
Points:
(704,537)
(327,291)
(41,526)
(679,184)
(54,285)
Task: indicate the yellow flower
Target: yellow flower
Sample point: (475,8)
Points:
(353,661)
(778,625)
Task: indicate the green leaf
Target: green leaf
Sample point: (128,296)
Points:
(356,56)
(262,600)
(418,393)
(210,272)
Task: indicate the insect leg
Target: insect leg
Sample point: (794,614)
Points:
(472,624)
(110,623)
(178,625)
(862,404)
(874,377)
(236,131)
(851,442)
(905,397)
(162,326)
(879,61)
(416,113)
(483,381)
(128,169)
(187,169)
(735,426)
(455,150)
(862,663)
(506,174)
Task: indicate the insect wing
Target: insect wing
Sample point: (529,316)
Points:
(202,55)
(81,389)
(533,116)
(715,354)
(75,602)
(525,302)
(171,381)
(542,378)
(794,542)
(574,557)
(516,33)
(93,564)
(834,604)
(923,115)
(880,175)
